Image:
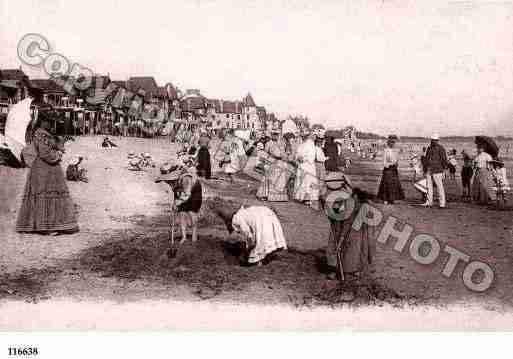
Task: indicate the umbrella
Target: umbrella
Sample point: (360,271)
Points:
(489,145)
(290,127)
(18,120)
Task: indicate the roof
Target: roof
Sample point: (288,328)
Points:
(145,83)
(248,101)
(47,85)
(13,74)
(193,103)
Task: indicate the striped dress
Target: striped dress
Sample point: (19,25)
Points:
(46,205)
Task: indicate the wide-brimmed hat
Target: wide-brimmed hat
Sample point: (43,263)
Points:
(435,136)
(392,138)
(336,180)
(496,161)
(131,154)
(146,155)
(275,131)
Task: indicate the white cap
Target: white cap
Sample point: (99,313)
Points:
(75,160)
(435,136)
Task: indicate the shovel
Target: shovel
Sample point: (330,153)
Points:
(171,252)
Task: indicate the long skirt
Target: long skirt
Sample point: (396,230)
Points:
(390,187)
(481,186)
(46,204)
(306,184)
(349,250)
(274,185)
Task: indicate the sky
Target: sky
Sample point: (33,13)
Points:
(403,67)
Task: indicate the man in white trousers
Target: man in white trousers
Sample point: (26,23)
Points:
(436,164)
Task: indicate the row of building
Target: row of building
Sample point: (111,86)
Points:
(115,97)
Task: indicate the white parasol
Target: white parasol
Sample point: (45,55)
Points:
(18,120)
(290,127)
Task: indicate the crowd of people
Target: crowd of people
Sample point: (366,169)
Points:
(308,168)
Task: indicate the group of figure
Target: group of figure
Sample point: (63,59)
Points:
(483,177)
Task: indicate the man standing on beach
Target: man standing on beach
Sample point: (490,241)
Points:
(436,164)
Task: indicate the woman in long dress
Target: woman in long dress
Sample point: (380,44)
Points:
(306,186)
(331,152)
(350,251)
(273,187)
(481,181)
(47,207)
(390,189)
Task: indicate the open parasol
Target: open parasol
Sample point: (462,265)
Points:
(16,125)
(489,145)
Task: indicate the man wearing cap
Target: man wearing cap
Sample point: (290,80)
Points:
(436,164)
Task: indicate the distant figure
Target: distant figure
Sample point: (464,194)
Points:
(46,207)
(74,172)
(452,163)
(482,178)
(436,164)
(332,155)
(467,171)
(108,143)
(500,184)
(204,166)
(390,189)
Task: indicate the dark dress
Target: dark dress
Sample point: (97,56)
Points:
(331,151)
(390,188)
(204,165)
(46,205)
(193,203)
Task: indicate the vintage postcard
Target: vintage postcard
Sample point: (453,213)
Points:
(252,165)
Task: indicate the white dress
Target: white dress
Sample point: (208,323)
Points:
(261,227)
(237,156)
(306,186)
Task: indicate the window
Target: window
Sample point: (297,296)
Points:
(247,116)
(238,117)
(227,115)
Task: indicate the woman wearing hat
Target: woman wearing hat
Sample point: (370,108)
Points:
(46,207)
(277,172)
(390,189)
(482,175)
(204,166)
(306,186)
(188,195)
(259,227)
(349,252)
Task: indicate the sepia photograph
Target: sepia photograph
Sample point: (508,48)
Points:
(221,165)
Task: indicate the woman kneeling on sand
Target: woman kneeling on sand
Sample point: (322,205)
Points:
(259,226)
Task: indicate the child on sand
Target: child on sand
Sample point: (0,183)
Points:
(467,172)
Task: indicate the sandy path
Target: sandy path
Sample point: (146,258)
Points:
(119,206)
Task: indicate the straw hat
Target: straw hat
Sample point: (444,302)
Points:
(146,155)
(131,154)
(435,136)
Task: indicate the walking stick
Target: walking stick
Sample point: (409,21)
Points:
(171,253)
